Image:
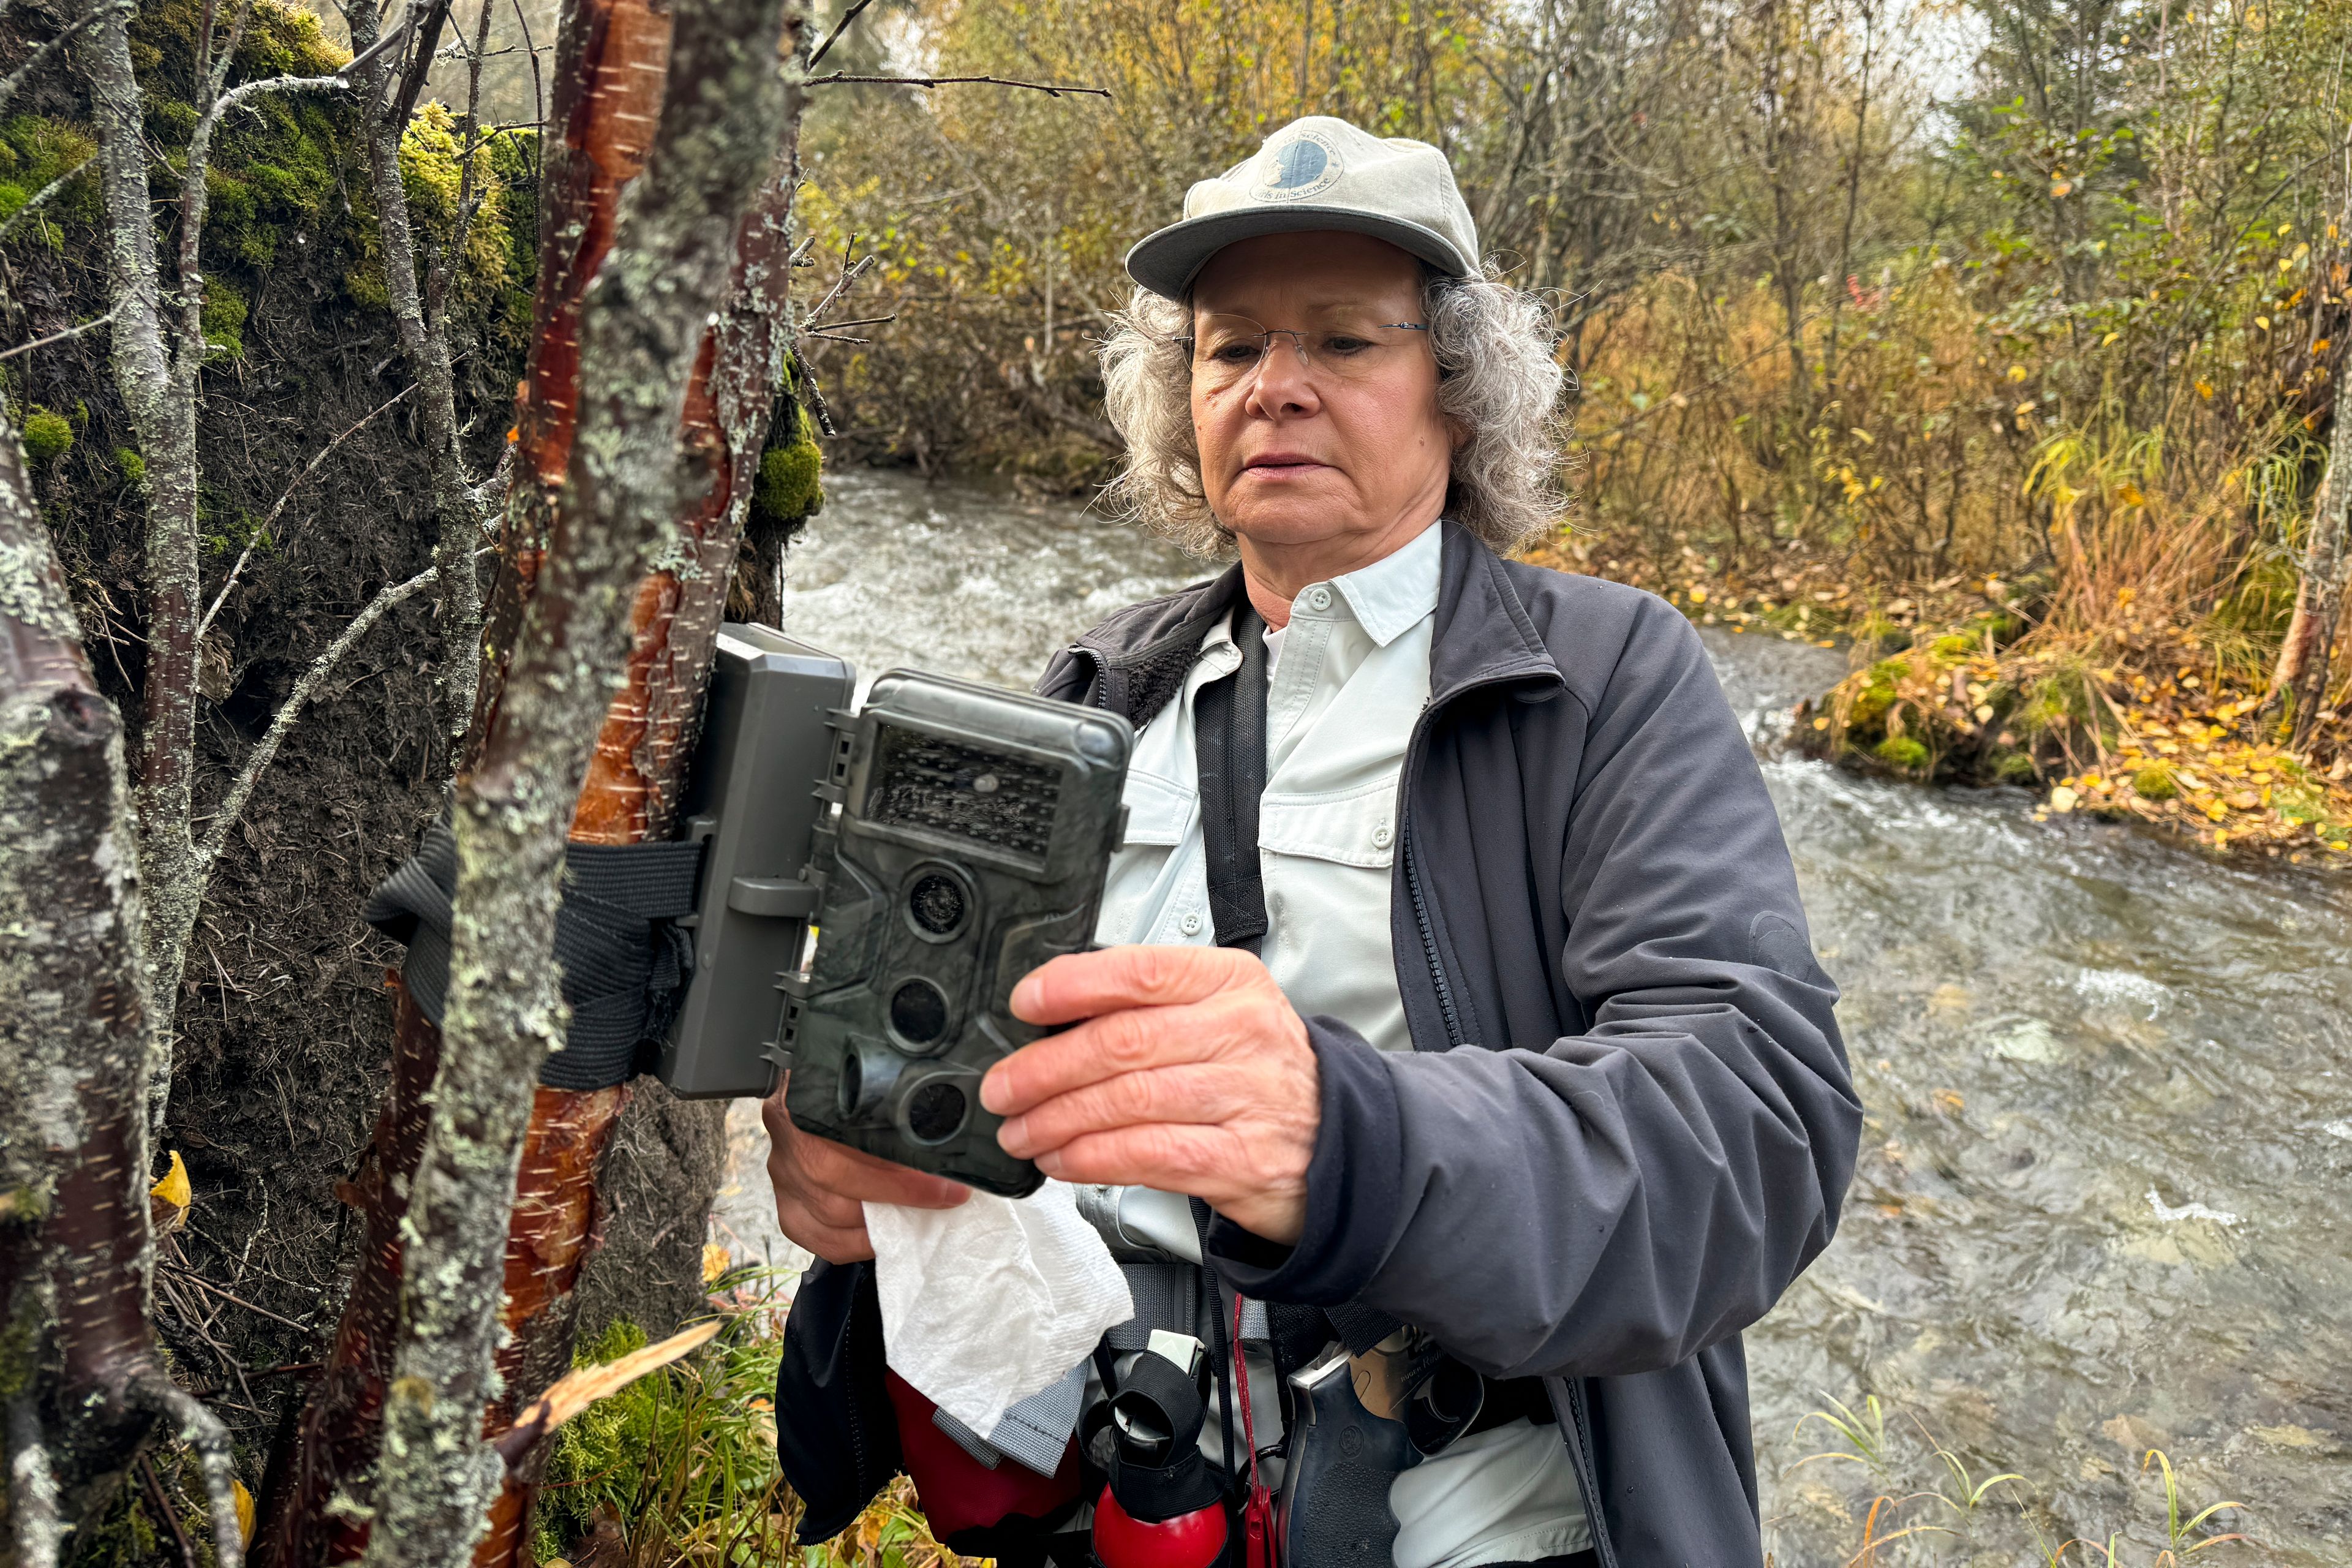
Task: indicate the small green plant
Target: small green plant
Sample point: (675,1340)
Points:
(47,435)
(133,466)
(1865,1435)
(1902,752)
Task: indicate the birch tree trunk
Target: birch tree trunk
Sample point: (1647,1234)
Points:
(2305,661)
(637,777)
(611,59)
(83,1386)
(165,424)
(644,317)
(425,345)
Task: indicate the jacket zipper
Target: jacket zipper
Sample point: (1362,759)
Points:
(1413,883)
(1578,1435)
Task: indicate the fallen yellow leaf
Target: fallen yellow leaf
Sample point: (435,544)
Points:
(715,1262)
(243,1501)
(175,1187)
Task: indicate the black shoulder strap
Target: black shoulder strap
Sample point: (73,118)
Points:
(1229,739)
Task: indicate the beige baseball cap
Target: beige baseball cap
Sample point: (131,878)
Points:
(1317,173)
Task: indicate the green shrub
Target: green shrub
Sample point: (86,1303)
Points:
(47,435)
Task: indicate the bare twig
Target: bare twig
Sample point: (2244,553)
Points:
(838,28)
(40,57)
(74,332)
(231,804)
(1051,90)
(162,1504)
(201,1283)
(8,225)
(538,90)
(271,521)
(840,326)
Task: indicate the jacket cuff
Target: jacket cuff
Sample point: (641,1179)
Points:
(1355,1186)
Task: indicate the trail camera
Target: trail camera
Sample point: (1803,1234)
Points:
(952,837)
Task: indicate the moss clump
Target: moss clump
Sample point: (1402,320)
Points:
(791,484)
(1902,752)
(2011,768)
(224,320)
(36,151)
(47,435)
(1877,694)
(133,466)
(2157,781)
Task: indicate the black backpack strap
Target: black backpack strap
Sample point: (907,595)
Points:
(1229,741)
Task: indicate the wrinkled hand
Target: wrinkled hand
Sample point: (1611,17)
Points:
(822,1187)
(1189,1072)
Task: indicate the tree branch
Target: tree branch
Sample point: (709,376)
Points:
(231,804)
(58,337)
(838,28)
(270,522)
(1051,90)
(40,57)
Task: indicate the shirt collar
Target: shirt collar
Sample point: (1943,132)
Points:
(1387,598)
(1392,595)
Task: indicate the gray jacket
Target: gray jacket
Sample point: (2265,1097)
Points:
(1654,1137)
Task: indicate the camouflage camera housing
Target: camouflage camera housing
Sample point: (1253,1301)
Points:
(975,830)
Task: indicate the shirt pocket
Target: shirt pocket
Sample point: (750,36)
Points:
(1346,827)
(1159,810)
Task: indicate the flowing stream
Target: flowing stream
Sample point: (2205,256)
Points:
(2102,1205)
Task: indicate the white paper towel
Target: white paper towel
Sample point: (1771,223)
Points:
(995,1300)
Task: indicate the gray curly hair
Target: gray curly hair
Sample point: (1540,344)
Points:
(1498,383)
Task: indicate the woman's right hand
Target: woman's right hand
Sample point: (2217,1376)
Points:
(823,1187)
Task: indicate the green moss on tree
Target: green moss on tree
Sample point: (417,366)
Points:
(47,435)
(133,466)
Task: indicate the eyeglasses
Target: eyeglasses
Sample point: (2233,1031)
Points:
(1227,350)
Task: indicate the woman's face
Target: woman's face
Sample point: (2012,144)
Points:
(1345,450)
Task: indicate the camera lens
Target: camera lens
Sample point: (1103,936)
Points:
(935,1112)
(918,1011)
(936,903)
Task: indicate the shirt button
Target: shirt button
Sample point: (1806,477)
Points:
(1318,598)
(1381,837)
(1191,924)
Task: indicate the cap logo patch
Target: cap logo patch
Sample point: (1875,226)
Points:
(1305,165)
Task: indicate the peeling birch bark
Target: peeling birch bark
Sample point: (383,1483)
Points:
(637,774)
(89,1390)
(612,58)
(640,323)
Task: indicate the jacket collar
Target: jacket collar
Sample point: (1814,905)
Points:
(1482,635)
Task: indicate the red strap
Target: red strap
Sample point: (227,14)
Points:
(1257,1513)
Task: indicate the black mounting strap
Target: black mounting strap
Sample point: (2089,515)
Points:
(1229,748)
(624,961)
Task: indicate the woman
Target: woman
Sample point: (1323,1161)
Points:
(1455,957)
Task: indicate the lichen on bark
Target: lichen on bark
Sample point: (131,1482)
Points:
(643,318)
